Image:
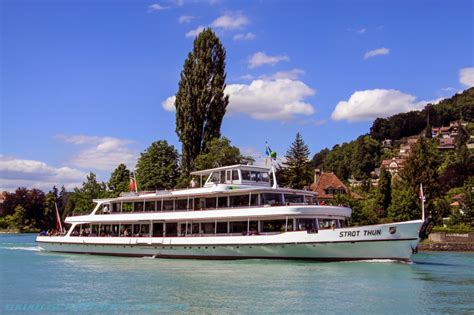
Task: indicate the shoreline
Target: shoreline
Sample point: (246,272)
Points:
(446,247)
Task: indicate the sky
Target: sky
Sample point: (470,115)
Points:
(86,85)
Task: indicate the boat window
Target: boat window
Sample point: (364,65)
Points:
(116,207)
(310,200)
(215,177)
(239,201)
(126,230)
(94,230)
(145,229)
(227,176)
(127,207)
(235,175)
(181,204)
(138,206)
(221,228)
(171,229)
(254,200)
(207,228)
(342,223)
(136,230)
(271,199)
(211,203)
(238,227)
(245,174)
(273,225)
(76,231)
(85,229)
(150,206)
(253,227)
(290,198)
(158,229)
(325,224)
(195,228)
(306,225)
(265,177)
(158,205)
(115,230)
(222,202)
(168,205)
(106,230)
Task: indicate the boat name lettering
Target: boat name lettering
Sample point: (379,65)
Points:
(358,233)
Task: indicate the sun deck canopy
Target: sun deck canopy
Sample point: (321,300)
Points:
(236,175)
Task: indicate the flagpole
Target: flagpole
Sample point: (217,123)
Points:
(422,195)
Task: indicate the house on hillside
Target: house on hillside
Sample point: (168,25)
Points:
(394,165)
(328,186)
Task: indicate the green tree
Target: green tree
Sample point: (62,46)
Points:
(119,180)
(467,202)
(200,101)
(384,189)
(157,167)
(19,219)
(297,167)
(82,197)
(220,152)
(405,202)
(421,168)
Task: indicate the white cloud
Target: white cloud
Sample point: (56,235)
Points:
(281,99)
(168,104)
(260,58)
(361,31)
(371,104)
(36,174)
(156,7)
(230,21)
(376,52)
(195,32)
(270,100)
(293,74)
(186,18)
(245,36)
(101,153)
(466,76)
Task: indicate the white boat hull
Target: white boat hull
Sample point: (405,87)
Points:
(388,241)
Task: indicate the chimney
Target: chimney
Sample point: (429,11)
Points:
(317,175)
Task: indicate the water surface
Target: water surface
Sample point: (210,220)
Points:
(41,282)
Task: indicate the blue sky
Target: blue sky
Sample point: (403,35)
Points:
(86,85)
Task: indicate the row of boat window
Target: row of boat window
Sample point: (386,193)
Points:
(171,229)
(206,203)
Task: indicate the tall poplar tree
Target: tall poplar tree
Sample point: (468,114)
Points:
(200,101)
(297,170)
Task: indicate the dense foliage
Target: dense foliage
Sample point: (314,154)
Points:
(157,167)
(200,101)
(219,152)
(460,106)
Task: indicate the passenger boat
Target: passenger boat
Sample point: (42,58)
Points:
(237,213)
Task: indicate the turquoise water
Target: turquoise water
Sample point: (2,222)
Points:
(40,282)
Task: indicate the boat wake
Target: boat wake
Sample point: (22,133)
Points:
(35,249)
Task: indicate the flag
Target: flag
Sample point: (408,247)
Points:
(133,184)
(268,151)
(59,226)
(422,195)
